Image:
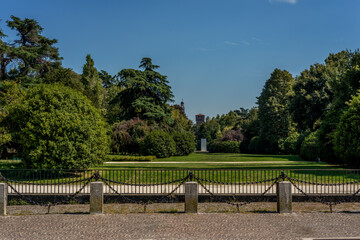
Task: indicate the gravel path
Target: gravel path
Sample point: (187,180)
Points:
(248,225)
(277,162)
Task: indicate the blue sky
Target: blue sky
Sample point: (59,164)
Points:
(217,54)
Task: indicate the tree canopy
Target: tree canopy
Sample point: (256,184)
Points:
(145,93)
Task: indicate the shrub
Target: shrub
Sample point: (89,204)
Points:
(290,144)
(57,128)
(254,145)
(347,134)
(131,158)
(310,149)
(225,147)
(128,135)
(233,135)
(184,142)
(159,144)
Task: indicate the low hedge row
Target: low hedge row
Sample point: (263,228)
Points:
(122,158)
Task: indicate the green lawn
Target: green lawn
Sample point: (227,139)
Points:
(221,167)
(228,157)
(223,161)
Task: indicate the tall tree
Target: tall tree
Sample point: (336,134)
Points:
(33,55)
(312,95)
(273,109)
(93,88)
(145,93)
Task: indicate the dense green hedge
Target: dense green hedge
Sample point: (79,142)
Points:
(347,135)
(291,144)
(184,142)
(225,147)
(158,143)
(56,127)
(130,158)
(255,146)
(310,149)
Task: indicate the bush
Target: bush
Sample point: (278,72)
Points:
(159,144)
(128,135)
(290,144)
(185,143)
(57,128)
(130,158)
(254,146)
(310,149)
(347,134)
(225,147)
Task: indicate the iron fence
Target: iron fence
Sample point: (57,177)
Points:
(164,181)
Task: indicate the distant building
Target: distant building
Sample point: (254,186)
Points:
(182,104)
(200,118)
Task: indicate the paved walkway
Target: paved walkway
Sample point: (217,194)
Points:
(164,189)
(272,162)
(180,226)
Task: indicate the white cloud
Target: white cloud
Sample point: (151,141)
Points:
(245,42)
(201,49)
(230,43)
(284,1)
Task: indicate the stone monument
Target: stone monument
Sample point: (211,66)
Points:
(203,145)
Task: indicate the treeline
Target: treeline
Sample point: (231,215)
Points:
(315,115)
(51,116)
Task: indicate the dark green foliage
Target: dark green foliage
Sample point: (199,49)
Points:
(310,149)
(185,143)
(274,116)
(291,144)
(66,77)
(93,88)
(32,56)
(158,143)
(250,127)
(225,147)
(56,127)
(179,120)
(312,95)
(119,158)
(145,93)
(347,135)
(254,145)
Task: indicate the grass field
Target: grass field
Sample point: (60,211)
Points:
(223,161)
(209,161)
(224,168)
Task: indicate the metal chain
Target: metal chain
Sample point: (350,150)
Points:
(159,200)
(223,199)
(320,198)
(43,184)
(143,185)
(322,184)
(48,205)
(246,183)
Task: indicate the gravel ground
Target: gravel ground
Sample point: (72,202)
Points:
(262,207)
(167,221)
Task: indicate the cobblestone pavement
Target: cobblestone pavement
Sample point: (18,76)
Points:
(250,225)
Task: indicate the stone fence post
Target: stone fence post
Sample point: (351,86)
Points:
(96,198)
(284,197)
(3,199)
(191,197)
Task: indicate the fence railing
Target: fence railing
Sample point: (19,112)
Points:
(218,181)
